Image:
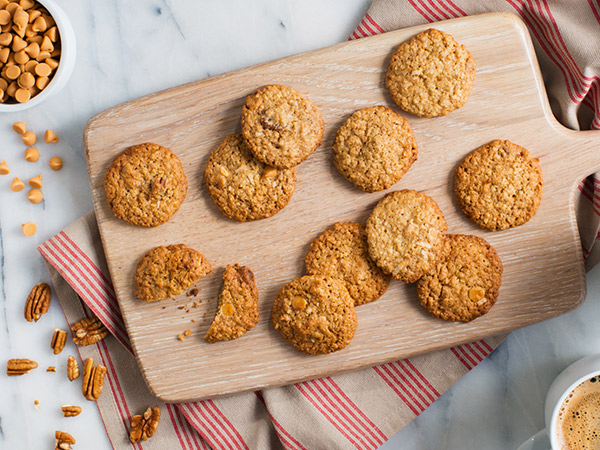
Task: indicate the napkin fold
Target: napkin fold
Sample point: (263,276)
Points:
(361,409)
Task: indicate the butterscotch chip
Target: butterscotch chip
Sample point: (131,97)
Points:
(405,234)
(165,272)
(56,163)
(145,185)
(35,196)
(465,283)
(374,148)
(29,228)
(42,69)
(19,127)
(17,185)
(36,182)
(237,311)
(235,181)
(22,95)
(50,137)
(29,138)
(281,127)
(4,169)
(341,252)
(32,154)
(326,324)
(13,72)
(430,74)
(499,185)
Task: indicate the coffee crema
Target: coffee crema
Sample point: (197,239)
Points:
(579,417)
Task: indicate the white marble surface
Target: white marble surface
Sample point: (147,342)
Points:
(130,48)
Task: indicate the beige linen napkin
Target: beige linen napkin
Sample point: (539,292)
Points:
(363,408)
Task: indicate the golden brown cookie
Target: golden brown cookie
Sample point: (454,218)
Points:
(499,185)
(145,185)
(165,272)
(315,314)
(237,312)
(430,74)
(281,127)
(341,252)
(374,148)
(464,284)
(244,188)
(405,234)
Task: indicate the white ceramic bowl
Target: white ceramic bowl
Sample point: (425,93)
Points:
(66,62)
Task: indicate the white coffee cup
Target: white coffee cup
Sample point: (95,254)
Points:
(561,387)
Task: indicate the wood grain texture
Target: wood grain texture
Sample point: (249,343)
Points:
(543,275)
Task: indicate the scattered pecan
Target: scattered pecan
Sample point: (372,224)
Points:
(88,331)
(59,339)
(37,302)
(144,426)
(16,367)
(71,410)
(51,369)
(63,441)
(93,379)
(270,124)
(72,368)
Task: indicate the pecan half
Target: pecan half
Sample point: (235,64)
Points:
(38,302)
(93,379)
(71,410)
(15,367)
(63,441)
(59,339)
(88,331)
(144,426)
(72,368)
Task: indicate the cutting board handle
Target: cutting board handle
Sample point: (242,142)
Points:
(583,157)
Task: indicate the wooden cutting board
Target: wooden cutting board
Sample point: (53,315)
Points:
(543,269)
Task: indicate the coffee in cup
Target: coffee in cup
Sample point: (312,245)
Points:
(578,422)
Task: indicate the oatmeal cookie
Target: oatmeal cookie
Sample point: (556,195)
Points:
(145,185)
(499,185)
(374,148)
(405,234)
(341,252)
(281,127)
(165,272)
(237,312)
(430,74)
(465,283)
(315,314)
(244,188)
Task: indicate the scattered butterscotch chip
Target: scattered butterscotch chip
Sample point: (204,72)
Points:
(29,138)
(38,302)
(35,196)
(49,135)
(88,331)
(36,182)
(63,441)
(29,228)
(32,154)
(71,410)
(19,127)
(59,339)
(17,185)
(16,367)
(4,169)
(92,380)
(144,426)
(36,402)
(51,369)
(55,163)
(187,332)
(72,368)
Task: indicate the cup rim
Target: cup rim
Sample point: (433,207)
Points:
(67,47)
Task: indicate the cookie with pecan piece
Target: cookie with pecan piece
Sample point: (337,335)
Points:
(281,127)
(465,283)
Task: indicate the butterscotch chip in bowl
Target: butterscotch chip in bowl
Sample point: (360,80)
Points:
(499,185)
(430,74)
(341,252)
(374,148)
(405,234)
(145,185)
(325,322)
(465,283)
(244,188)
(237,311)
(281,127)
(165,272)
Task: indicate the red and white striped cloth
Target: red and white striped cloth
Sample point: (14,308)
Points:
(363,408)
